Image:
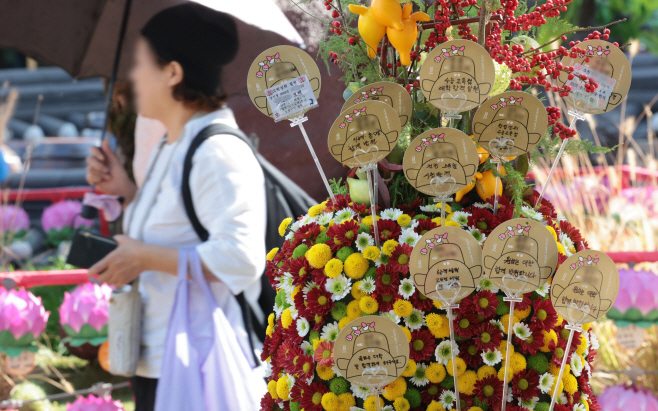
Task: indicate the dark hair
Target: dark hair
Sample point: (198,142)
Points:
(192,97)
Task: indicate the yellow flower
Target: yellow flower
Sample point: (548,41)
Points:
(560,320)
(404,219)
(330,401)
(325,372)
(560,389)
(410,369)
(402,308)
(345,320)
(451,223)
(501,373)
(434,322)
(435,372)
(582,346)
(435,406)
(333,268)
(395,389)
(284,226)
(286,318)
(371,253)
(437,304)
(401,404)
(521,314)
(271,388)
(369,403)
(356,266)
(560,249)
(271,319)
(317,342)
(437,221)
(368,220)
(503,348)
(553,233)
(486,371)
(357,292)
(406,332)
(316,210)
(548,337)
(319,255)
(518,363)
(346,401)
(272,253)
(475,409)
(505,321)
(282,389)
(587,326)
(442,330)
(461,367)
(389,246)
(368,305)
(354,310)
(269,330)
(467,382)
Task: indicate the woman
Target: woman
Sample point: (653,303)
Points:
(176,77)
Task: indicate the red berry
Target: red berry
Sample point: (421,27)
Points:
(351,40)
(335,14)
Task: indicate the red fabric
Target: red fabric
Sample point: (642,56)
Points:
(634,256)
(34,278)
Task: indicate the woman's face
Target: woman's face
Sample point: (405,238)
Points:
(151,82)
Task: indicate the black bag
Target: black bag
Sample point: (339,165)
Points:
(284,199)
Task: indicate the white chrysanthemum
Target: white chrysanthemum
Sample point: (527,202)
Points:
(594,341)
(561,217)
(492,357)
(325,218)
(510,395)
(576,365)
(359,391)
(302,326)
(562,398)
(391,214)
(415,320)
(529,212)
(367,285)
(293,312)
(546,382)
(297,223)
(306,220)
(278,309)
(478,235)
(364,240)
(409,236)
(343,215)
(339,287)
(529,404)
(447,399)
(569,246)
(308,348)
(268,369)
(522,331)
(483,205)
(287,282)
(579,407)
(543,290)
(407,288)
(431,208)
(486,284)
(309,286)
(443,353)
(355,408)
(419,379)
(460,217)
(290,235)
(330,331)
(588,370)
(391,316)
(498,324)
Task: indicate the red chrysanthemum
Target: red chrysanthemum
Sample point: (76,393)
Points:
(411,209)
(525,303)
(431,393)
(339,202)
(544,316)
(273,273)
(385,299)
(465,321)
(574,234)
(422,345)
(489,390)
(470,353)
(267,403)
(525,384)
(272,342)
(486,336)
(291,334)
(485,303)
(312,397)
(482,219)
(583,384)
(425,225)
(399,260)
(387,279)
(324,354)
(562,407)
(561,258)
(301,269)
(558,350)
(308,232)
(342,235)
(302,306)
(318,301)
(532,344)
(593,403)
(286,355)
(420,301)
(362,209)
(387,229)
(304,367)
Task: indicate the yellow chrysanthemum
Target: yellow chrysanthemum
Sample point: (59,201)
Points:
(505,321)
(401,404)
(323,229)
(435,406)
(282,389)
(389,246)
(284,226)
(410,369)
(587,326)
(369,403)
(357,292)
(522,314)
(319,255)
(467,382)
(461,367)
(330,401)
(560,320)
(286,318)
(333,268)
(452,224)
(295,291)
(548,337)
(371,253)
(317,342)
(345,401)
(436,372)
(356,266)
(316,210)
(503,348)
(443,329)
(368,305)
(475,409)
(353,310)
(404,219)
(437,221)
(406,332)
(501,373)
(325,372)
(582,346)
(269,330)
(402,308)
(560,249)
(560,389)
(272,253)
(554,369)
(345,320)
(395,389)
(518,362)
(432,320)
(271,388)
(271,319)
(438,304)
(486,371)
(553,233)
(368,220)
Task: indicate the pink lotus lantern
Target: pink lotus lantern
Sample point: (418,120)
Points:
(59,221)
(13,219)
(636,302)
(84,313)
(22,319)
(620,398)
(93,403)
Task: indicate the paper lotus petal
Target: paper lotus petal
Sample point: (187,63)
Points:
(93,403)
(21,313)
(636,302)
(88,304)
(13,219)
(63,214)
(619,398)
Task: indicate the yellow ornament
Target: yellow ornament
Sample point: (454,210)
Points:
(370,30)
(487,184)
(387,13)
(403,39)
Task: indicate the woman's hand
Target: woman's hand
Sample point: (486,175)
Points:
(105,170)
(125,263)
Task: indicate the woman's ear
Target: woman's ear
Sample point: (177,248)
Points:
(174,73)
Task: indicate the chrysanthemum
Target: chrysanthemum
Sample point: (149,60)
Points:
(447,399)
(443,352)
(406,288)
(319,301)
(485,303)
(465,321)
(486,336)
(477,234)
(574,235)
(569,246)
(435,208)
(324,354)
(409,236)
(312,397)
(367,285)
(391,214)
(364,240)
(343,234)
(460,217)
(388,230)
(339,287)
(497,323)
(486,284)
(399,260)
(470,354)
(545,316)
(577,365)
(343,215)
(546,382)
(330,332)
(304,367)
(530,403)
(420,301)
(325,218)
(385,299)
(525,384)
(489,390)
(424,225)
(391,316)
(419,379)
(492,357)
(387,279)
(559,351)
(532,344)
(431,393)
(360,391)
(521,331)
(529,212)
(415,320)
(482,219)
(302,326)
(543,290)
(422,345)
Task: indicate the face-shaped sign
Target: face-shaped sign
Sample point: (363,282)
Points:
(457,76)
(387,92)
(585,286)
(364,133)
(607,64)
(441,161)
(371,351)
(510,123)
(276,65)
(446,264)
(520,255)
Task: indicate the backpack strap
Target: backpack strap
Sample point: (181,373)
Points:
(206,133)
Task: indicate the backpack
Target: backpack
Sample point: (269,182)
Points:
(284,198)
